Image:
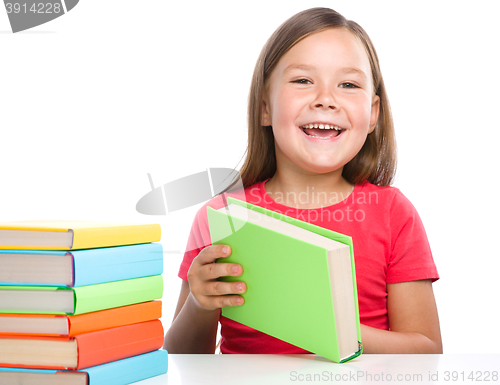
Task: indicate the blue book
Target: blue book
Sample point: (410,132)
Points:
(81,267)
(119,372)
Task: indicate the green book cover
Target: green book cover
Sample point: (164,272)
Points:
(84,299)
(116,294)
(290,287)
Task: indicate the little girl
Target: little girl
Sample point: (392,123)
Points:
(321,148)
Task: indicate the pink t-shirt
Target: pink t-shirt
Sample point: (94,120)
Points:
(389,241)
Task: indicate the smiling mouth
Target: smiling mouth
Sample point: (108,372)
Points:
(321,130)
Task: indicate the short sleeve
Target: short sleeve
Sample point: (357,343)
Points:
(411,257)
(199,236)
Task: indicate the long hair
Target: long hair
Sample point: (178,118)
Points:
(375,162)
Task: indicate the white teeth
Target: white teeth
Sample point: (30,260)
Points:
(322,126)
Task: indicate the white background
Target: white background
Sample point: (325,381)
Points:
(93,101)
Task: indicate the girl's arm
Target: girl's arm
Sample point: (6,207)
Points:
(413,321)
(194,328)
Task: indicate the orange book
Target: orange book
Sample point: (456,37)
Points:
(71,325)
(83,350)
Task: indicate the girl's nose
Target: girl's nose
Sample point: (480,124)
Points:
(325,99)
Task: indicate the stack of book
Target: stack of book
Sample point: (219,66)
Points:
(79,303)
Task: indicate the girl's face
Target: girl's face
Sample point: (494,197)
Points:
(324,82)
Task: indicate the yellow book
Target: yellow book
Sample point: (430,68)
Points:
(74,235)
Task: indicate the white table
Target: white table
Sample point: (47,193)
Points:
(261,369)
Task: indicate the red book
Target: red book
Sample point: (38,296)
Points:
(81,351)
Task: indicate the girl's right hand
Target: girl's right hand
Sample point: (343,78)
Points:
(210,293)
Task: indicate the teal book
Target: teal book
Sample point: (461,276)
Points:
(121,372)
(81,299)
(301,280)
(80,267)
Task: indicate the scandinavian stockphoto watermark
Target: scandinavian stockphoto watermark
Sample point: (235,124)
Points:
(224,182)
(26,14)
(329,207)
(201,187)
(190,190)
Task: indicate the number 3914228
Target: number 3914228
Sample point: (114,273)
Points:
(33,8)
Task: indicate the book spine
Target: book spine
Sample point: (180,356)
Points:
(115,294)
(124,371)
(86,238)
(114,344)
(129,370)
(109,264)
(121,316)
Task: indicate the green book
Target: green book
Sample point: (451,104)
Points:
(79,300)
(301,281)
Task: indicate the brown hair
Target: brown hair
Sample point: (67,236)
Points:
(375,162)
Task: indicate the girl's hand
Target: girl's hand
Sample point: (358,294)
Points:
(208,292)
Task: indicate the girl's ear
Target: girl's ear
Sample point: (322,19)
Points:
(374,113)
(265,113)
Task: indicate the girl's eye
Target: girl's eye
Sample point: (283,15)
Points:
(301,81)
(348,85)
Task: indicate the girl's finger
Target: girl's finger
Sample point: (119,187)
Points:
(211,253)
(219,288)
(232,300)
(216,270)
(224,301)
